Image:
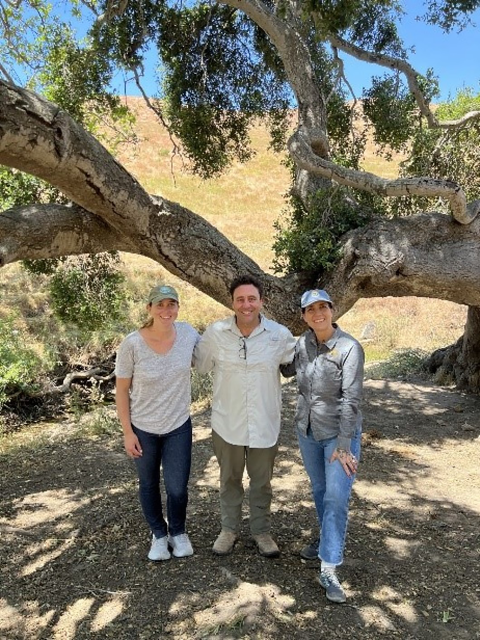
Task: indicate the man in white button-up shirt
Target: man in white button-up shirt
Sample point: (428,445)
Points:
(245,352)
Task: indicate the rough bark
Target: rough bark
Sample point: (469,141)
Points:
(460,363)
(426,255)
(38,138)
(287,34)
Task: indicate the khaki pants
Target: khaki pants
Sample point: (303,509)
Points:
(259,462)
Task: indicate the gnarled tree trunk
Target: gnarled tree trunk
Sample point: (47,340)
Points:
(460,363)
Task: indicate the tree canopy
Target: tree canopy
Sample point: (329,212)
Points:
(222,65)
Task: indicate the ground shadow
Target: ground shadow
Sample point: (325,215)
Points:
(74,544)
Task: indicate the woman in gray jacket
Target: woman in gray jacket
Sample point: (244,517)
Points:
(329,367)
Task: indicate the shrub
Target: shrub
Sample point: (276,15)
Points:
(402,362)
(87,291)
(20,366)
(202,385)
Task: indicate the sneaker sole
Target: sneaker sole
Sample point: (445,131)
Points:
(182,555)
(336,601)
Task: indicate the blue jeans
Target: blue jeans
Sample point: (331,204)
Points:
(172,451)
(331,489)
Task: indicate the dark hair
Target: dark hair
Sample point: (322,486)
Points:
(246,279)
(330,304)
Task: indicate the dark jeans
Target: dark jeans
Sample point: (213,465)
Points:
(173,452)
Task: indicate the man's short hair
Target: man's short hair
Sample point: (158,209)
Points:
(246,279)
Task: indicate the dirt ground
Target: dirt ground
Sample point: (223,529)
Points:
(74,544)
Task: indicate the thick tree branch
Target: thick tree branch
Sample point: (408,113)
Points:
(38,138)
(469,117)
(420,186)
(48,231)
(424,255)
(400,257)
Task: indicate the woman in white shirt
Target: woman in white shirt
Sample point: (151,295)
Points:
(153,395)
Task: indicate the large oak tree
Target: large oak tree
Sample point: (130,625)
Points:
(224,64)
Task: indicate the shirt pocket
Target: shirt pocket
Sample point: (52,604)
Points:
(328,376)
(229,357)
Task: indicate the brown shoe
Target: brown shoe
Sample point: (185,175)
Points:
(266,545)
(225,542)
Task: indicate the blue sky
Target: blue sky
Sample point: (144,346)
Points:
(454,57)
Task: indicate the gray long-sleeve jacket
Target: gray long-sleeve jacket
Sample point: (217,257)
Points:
(330,385)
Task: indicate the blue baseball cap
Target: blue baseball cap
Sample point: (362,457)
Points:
(314,295)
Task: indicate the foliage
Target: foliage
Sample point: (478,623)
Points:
(400,364)
(451,153)
(87,291)
(219,72)
(368,20)
(19,365)
(22,46)
(202,386)
(213,89)
(92,410)
(392,111)
(18,188)
(85,96)
(308,242)
(450,14)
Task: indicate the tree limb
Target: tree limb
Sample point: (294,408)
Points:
(385,258)
(412,80)
(80,375)
(424,255)
(286,35)
(391,63)
(51,230)
(420,186)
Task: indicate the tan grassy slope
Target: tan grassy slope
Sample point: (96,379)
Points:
(243,204)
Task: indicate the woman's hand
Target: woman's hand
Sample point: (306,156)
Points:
(132,445)
(347,460)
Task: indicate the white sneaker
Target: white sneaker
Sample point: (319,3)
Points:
(159,549)
(181,545)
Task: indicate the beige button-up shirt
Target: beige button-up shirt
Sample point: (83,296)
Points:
(247,395)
